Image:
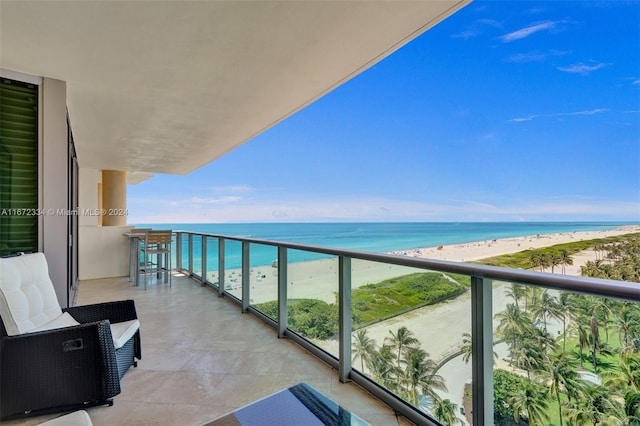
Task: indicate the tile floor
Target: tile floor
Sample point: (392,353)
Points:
(202,358)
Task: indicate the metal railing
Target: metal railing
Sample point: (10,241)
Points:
(482,278)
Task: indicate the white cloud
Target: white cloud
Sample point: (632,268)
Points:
(588,112)
(240,188)
(637,82)
(534,56)
(520,119)
(477,28)
(527,31)
(466,35)
(386,209)
(215,200)
(581,68)
(490,22)
(530,117)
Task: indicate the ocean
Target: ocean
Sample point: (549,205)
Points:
(373,237)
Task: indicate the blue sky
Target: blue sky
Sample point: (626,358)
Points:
(506,111)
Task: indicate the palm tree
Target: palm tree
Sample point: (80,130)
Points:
(546,260)
(363,348)
(532,400)
(536,260)
(400,340)
(627,376)
(583,336)
(597,405)
(562,374)
(632,408)
(545,307)
(516,292)
(445,411)
(564,311)
(595,341)
(466,348)
(512,324)
(628,323)
(555,259)
(382,367)
(532,351)
(566,259)
(419,375)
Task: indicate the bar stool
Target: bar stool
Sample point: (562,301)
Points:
(155,252)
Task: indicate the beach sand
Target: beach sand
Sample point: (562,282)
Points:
(439,328)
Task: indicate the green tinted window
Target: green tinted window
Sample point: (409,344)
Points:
(18,167)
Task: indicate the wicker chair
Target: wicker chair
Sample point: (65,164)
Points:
(55,360)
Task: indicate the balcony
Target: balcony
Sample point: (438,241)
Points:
(203,358)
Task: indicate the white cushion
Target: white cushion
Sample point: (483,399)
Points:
(77,418)
(28,301)
(64,320)
(123,331)
(27,297)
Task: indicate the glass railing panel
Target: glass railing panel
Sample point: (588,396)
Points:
(575,357)
(183,246)
(312,289)
(411,334)
(196,249)
(233,268)
(174,251)
(212,275)
(263,279)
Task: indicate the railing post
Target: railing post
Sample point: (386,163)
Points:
(220,267)
(190,251)
(246,275)
(179,251)
(482,350)
(203,260)
(283,313)
(344,318)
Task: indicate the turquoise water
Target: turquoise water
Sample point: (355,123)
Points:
(373,237)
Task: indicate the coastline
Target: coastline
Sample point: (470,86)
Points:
(319,278)
(478,250)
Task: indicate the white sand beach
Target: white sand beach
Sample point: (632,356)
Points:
(468,252)
(319,278)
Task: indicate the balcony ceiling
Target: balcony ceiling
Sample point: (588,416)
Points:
(170,86)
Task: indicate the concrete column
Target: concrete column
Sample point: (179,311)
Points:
(114,198)
(100,202)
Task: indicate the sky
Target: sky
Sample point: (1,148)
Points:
(505,111)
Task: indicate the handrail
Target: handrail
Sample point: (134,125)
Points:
(481,308)
(594,286)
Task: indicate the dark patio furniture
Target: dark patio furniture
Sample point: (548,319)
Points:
(55,360)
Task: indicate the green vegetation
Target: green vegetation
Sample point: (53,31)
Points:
(309,317)
(370,303)
(551,257)
(395,296)
(598,335)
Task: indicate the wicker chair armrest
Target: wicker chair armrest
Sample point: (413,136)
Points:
(46,358)
(92,332)
(119,311)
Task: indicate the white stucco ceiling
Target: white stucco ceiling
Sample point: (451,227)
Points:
(170,86)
